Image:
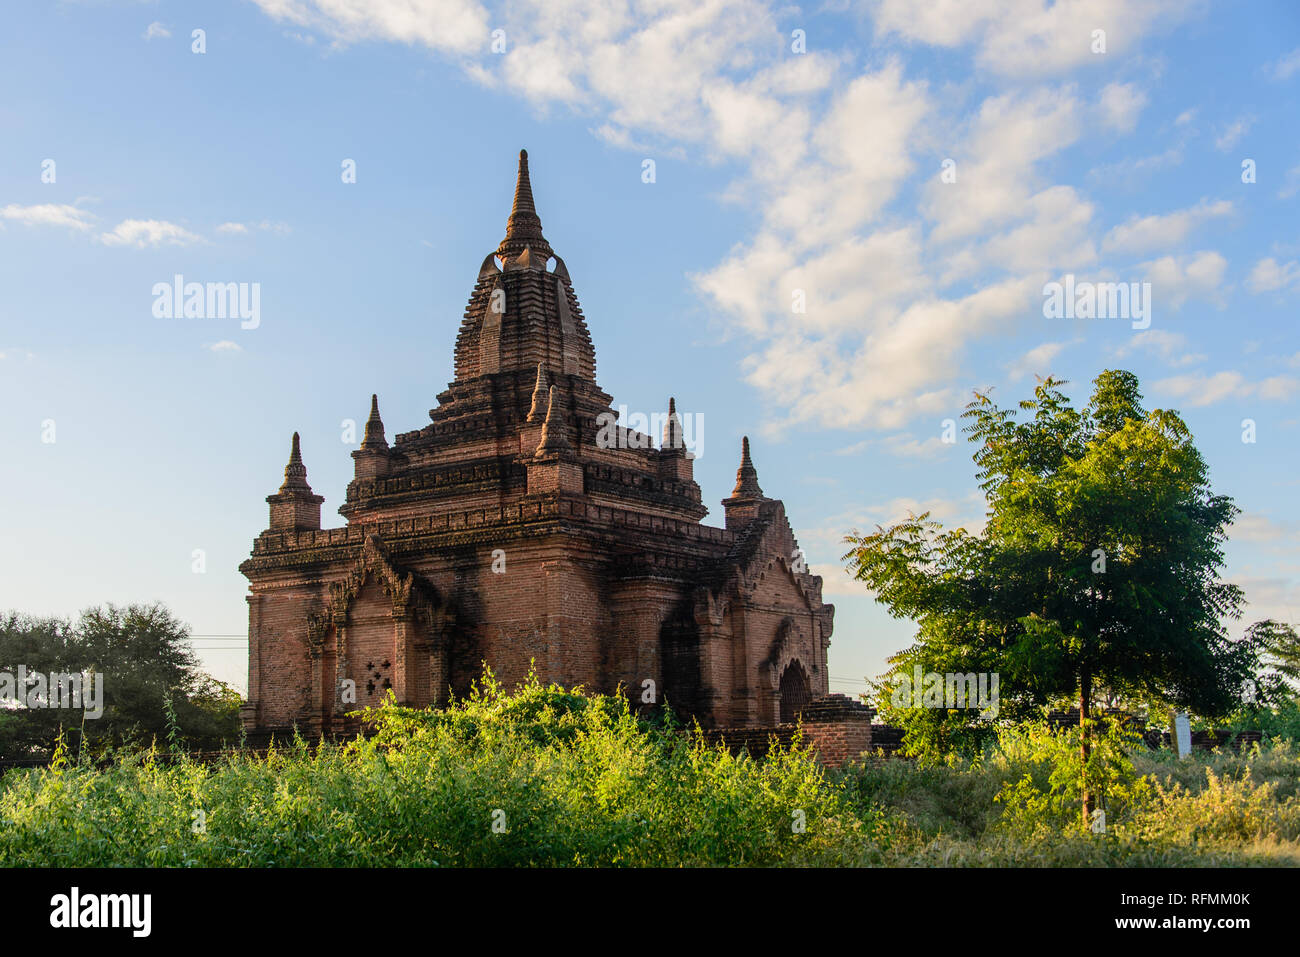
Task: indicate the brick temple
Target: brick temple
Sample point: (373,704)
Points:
(511,530)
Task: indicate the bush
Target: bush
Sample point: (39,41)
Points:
(577,780)
(542,777)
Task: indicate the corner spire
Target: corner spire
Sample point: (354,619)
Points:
(524,227)
(374,437)
(672,438)
(539,393)
(295,473)
(294,507)
(554,439)
(746,475)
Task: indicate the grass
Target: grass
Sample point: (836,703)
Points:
(549,777)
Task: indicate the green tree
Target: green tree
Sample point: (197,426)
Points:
(1097,568)
(1281,646)
(39,644)
(143,655)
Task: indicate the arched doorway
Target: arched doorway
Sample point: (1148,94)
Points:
(679,644)
(796,691)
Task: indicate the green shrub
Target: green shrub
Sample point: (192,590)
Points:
(567,780)
(577,780)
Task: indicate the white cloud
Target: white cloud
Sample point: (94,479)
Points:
(1162,231)
(148,232)
(903,446)
(1120,105)
(837,581)
(1056,237)
(451,26)
(225,345)
(1290,183)
(1231,136)
(1176,279)
(48,214)
(900,367)
(910,447)
(1132,169)
(1256,527)
(1171,347)
(1037,360)
(1028,36)
(995,168)
(1197,389)
(1287,65)
(1269,275)
(240,229)
(156,30)
(824,152)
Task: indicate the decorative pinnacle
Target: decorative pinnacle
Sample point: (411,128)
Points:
(746,475)
(672,428)
(295,473)
(553,437)
(539,393)
(374,437)
(524,227)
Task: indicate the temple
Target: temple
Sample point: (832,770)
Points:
(511,530)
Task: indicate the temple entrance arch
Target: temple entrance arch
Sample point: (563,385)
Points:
(796,691)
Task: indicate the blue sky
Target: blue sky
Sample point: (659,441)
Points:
(776,171)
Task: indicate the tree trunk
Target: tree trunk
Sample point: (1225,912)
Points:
(1085,743)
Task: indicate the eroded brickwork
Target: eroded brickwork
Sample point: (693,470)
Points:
(504,532)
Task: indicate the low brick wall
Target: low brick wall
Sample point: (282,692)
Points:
(1204,740)
(756,741)
(838,728)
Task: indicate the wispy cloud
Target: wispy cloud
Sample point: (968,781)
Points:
(156,31)
(1176,279)
(1030,37)
(1037,360)
(148,232)
(225,345)
(1234,132)
(1120,105)
(1171,347)
(1269,275)
(1198,389)
(1287,66)
(266,225)
(48,214)
(1162,231)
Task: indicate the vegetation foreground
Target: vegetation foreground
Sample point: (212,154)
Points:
(548,777)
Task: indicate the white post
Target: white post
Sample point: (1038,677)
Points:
(1182,735)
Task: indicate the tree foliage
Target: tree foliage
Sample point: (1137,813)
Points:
(1097,568)
(143,654)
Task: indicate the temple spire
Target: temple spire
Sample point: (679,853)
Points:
(374,437)
(554,439)
(524,227)
(539,394)
(295,473)
(746,475)
(294,506)
(672,438)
